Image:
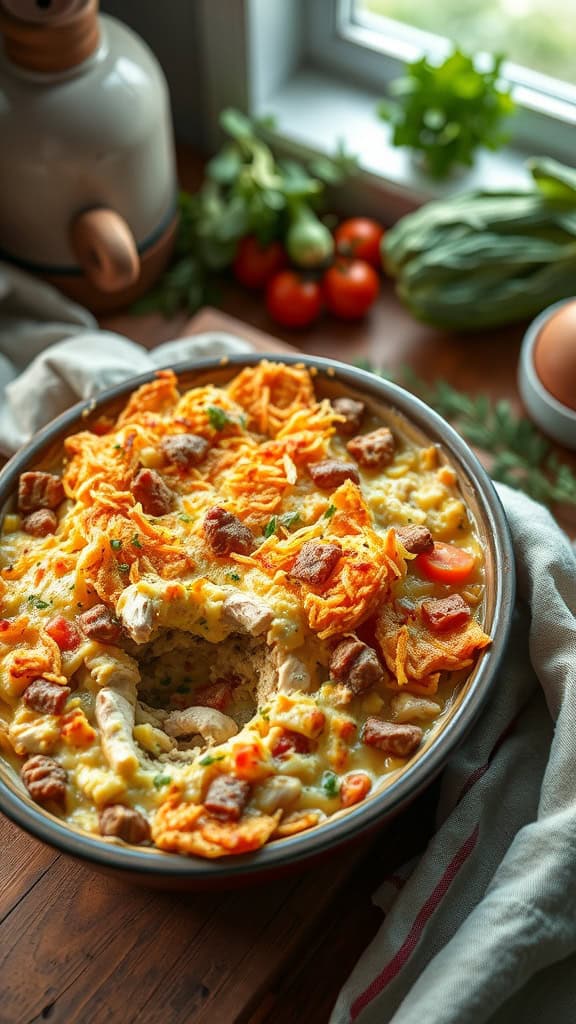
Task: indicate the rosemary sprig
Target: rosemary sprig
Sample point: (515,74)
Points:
(519,455)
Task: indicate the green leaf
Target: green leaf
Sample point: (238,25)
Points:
(330,783)
(271,527)
(236,124)
(159,781)
(329,511)
(210,759)
(217,417)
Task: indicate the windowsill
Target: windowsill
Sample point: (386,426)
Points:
(314,111)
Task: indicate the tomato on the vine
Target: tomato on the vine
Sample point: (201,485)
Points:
(293,300)
(360,238)
(254,264)
(350,288)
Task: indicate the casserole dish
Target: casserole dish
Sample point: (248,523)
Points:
(328,728)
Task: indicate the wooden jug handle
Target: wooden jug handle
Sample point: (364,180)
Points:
(105,249)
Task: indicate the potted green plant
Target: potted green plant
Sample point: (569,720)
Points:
(446,111)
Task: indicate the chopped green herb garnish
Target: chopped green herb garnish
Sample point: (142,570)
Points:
(136,541)
(185,517)
(330,784)
(116,544)
(329,511)
(167,681)
(288,519)
(117,447)
(264,713)
(271,526)
(218,417)
(37,602)
(123,567)
(210,759)
(183,689)
(234,576)
(161,780)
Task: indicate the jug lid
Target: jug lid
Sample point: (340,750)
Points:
(49,35)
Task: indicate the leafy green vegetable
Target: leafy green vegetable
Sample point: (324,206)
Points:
(37,602)
(289,519)
(161,780)
(116,544)
(330,784)
(484,259)
(136,541)
(446,111)
(218,417)
(210,759)
(329,511)
(520,455)
(247,191)
(271,527)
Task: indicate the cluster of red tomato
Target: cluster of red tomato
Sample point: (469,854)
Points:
(295,298)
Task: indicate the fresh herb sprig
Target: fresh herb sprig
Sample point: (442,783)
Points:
(246,191)
(447,111)
(518,454)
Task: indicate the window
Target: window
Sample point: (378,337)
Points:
(372,39)
(321,66)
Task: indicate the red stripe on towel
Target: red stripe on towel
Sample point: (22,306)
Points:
(394,966)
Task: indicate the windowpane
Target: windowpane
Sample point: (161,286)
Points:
(538,34)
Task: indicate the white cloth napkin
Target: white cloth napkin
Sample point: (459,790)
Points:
(483,926)
(52,355)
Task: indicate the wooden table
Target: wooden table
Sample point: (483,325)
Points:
(79,947)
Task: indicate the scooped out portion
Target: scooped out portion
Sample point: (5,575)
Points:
(229,613)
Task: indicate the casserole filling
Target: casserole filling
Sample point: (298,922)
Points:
(231,613)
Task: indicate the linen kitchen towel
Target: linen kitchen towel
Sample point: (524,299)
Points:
(52,354)
(483,927)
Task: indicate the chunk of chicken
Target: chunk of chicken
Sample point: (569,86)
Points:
(115,708)
(406,707)
(279,791)
(136,611)
(113,668)
(247,613)
(292,673)
(210,724)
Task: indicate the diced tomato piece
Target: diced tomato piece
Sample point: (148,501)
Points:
(248,762)
(216,695)
(446,563)
(290,743)
(63,632)
(4,625)
(354,788)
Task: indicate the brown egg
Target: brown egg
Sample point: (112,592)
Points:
(555,355)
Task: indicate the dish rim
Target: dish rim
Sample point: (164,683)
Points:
(366,816)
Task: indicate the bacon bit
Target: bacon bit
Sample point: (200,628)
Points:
(354,788)
(290,743)
(76,730)
(446,613)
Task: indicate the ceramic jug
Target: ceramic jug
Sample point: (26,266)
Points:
(87,176)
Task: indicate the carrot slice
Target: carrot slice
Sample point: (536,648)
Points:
(446,563)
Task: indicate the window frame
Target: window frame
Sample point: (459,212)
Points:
(546,106)
(286,51)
